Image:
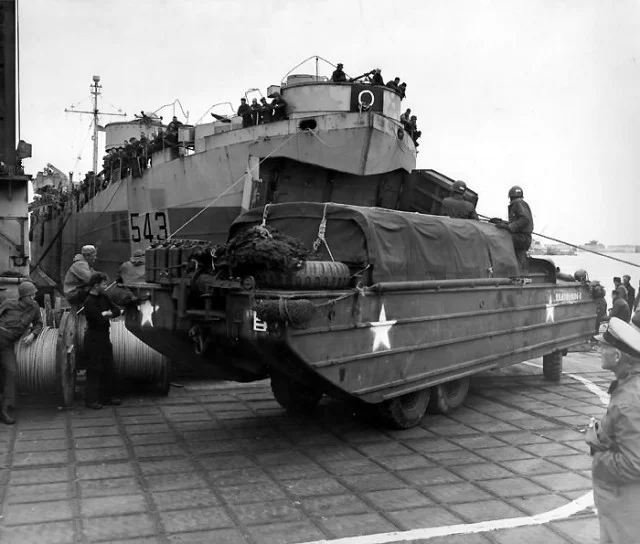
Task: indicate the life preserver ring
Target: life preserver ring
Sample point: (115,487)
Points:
(366,99)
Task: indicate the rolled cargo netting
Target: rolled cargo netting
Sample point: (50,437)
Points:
(132,358)
(37,361)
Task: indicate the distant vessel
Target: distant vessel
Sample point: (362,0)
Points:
(561,249)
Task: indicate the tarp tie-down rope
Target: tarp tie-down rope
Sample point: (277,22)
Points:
(322,231)
(262,227)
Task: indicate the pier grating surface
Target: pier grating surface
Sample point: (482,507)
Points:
(224,463)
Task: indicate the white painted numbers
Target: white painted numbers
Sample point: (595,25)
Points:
(150,226)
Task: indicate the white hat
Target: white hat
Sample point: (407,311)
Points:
(623,336)
(88,250)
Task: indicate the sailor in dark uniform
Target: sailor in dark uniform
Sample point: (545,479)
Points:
(174,125)
(279,105)
(265,111)
(255,111)
(456,206)
(376,77)
(244,111)
(338,75)
(394,84)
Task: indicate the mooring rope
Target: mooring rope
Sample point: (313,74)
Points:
(582,248)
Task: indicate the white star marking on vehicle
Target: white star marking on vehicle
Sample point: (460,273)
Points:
(551,316)
(146,311)
(381,330)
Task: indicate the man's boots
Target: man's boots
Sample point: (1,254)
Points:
(6,415)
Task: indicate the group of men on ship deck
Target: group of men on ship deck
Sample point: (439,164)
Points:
(263,112)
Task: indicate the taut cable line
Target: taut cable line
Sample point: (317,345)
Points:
(581,248)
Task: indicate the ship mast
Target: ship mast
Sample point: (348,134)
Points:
(95,92)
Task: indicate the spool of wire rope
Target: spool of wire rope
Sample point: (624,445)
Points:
(48,363)
(133,359)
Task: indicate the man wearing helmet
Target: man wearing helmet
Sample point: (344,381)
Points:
(16,316)
(456,206)
(520,224)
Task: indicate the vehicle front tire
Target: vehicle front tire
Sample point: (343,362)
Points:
(405,411)
(552,366)
(448,396)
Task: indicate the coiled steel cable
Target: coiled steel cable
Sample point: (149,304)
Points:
(37,361)
(132,358)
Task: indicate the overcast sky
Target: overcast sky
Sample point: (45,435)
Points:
(544,94)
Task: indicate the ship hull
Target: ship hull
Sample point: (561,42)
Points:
(199,193)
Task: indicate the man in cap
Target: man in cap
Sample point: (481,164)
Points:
(455,205)
(278,106)
(265,111)
(255,111)
(376,77)
(77,277)
(394,84)
(338,75)
(16,316)
(619,306)
(614,441)
(631,292)
(244,111)
(520,224)
(131,271)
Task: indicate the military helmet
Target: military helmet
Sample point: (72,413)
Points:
(458,187)
(26,288)
(581,275)
(516,192)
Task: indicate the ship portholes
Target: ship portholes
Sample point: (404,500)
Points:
(400,133)
(308,124)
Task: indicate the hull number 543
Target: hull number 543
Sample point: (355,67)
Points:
(151,226)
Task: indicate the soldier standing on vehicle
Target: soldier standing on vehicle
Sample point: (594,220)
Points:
(614,441)
(100,384)
(77,277)
(15,318)
(456,206)
(520,224)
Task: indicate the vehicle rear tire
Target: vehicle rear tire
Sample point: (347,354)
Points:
(312,275)
(405,411)
(552,366)
(294,397)
(448,396)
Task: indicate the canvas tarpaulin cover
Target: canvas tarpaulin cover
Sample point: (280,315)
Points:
(398,246)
